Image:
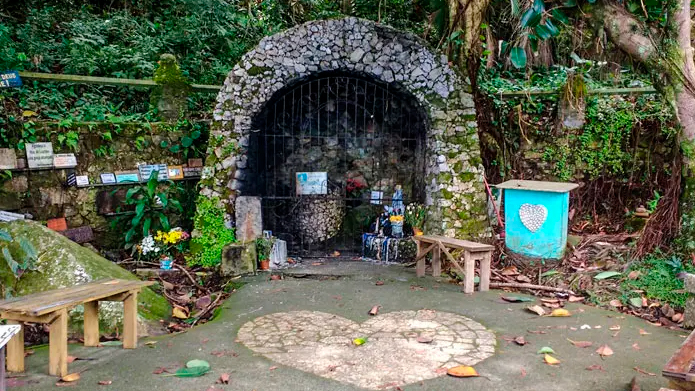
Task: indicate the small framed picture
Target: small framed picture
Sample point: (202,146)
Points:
(175,172)
(108,178)
(82,180)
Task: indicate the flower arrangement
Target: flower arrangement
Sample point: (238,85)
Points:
(396,218)
(415,215)
(164,246)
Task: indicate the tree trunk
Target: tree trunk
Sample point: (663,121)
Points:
(636,39)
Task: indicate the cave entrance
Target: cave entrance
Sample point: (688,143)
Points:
(329,153)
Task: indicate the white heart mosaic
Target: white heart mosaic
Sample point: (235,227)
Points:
(533,216)
(321,343)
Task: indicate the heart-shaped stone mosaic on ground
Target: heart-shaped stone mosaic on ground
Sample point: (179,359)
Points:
(533,216)
(321,343)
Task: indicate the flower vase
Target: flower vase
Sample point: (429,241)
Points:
(165,263)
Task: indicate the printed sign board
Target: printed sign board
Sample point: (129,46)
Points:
(82,180)
(146,171)
(189,172)
(40,155)
(10,79)
(312,183)
(9,216)
(64,160)
(108,178)
(127,176)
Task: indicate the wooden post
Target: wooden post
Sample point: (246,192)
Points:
(469,268)
(58,345)
(3,387)
(485,271)
(130,321)
(436,262)
(15,350)
(91,323)
(420,257)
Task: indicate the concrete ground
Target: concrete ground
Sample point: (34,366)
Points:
(348,290)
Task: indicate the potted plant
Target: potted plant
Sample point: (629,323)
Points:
(263,248)
(415,217)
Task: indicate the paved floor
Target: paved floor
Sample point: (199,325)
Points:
(335,303)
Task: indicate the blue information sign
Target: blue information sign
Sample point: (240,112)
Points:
(10,79)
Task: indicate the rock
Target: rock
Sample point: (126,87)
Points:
(63,263)
(238,259)
(249,219)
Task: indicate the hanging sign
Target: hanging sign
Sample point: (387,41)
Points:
(147,169)
(312,183)
(10,79)
(64,160)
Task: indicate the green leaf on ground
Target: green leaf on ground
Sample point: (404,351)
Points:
(550,273)
(546,350)
(517,299)
(192,372)
(636,302)
(197,363)
(608,274)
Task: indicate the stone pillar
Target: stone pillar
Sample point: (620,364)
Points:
(249,219)
(689,315)
(170,97)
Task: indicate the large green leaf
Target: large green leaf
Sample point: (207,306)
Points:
(559,16)
(146,226)
(538,6)
(129,235)
(130,194)
(192,372)
(152,183)
(14,266)
(186,141)
(139,208)
(516,10)
(164,221)
(176,205)
(518,57)
(542,32)
(530,18)
(164,144)
(163,199)
(29,250)
(554,31)
(5,236)
(196,133)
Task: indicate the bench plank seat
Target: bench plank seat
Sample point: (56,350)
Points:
(472,252)
(52,307)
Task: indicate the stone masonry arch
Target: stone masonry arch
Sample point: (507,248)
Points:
(453,175)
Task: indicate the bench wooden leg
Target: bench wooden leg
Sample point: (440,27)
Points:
(485,271)
(130,321)
(469,268)
(91,323)
(58,345)
(436,262)
(15,350)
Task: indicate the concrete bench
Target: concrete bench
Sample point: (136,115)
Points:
(51,307)
(472,252)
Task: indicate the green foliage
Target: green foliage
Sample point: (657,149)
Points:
(193,134)
(151,201)
(263,248)
(212,234)
(23,260)
(658,279)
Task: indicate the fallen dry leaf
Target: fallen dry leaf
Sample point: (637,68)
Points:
(642,332)
(71,359)
(462,371)
(550,360)
(616,303)
(604,350)
(560,312)
(574,299)
(581,344)
(595,367)
(523,278)
(678,317)
(374,310)
(536,309)
(70,377)
(335,254)
(275,277)
(379,283)
(425,339)
(523,373)
(510,271)
(179,312)
(224,378)
(551,305)
(642,371)
(520,341)
(104,382)
(316,263)
(633,275)
(636,346)
(272,368)
(160,370)
(417,288)
(634,386)
(614,328)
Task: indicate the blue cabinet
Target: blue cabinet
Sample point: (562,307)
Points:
(536,217)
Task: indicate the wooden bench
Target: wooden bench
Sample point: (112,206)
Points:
(472,252)
(51,307)
(680,369)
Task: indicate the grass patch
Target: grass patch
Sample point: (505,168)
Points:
(658,279)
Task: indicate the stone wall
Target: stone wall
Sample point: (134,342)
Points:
(45,195)
(453,169)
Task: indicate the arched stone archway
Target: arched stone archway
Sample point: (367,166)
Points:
(453,169)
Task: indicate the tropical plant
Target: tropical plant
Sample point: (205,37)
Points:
(212,233)
(24,260)
(152,201)
(263,248)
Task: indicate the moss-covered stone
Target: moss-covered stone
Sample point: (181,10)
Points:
(63,263)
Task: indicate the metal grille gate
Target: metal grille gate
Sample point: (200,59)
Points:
(367,136)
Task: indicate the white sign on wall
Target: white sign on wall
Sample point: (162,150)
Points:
(312,183)
(40,155)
